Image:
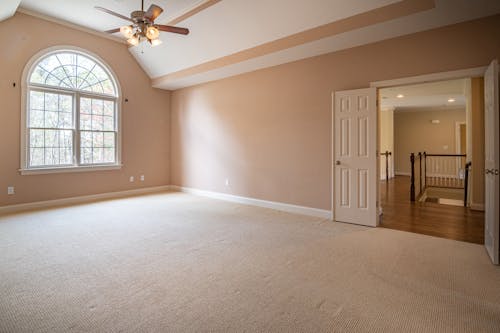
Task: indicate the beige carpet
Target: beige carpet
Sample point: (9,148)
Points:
(180,263)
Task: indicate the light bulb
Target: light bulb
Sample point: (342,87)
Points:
(155,42)
(127,31)
(133,41)
(152,32)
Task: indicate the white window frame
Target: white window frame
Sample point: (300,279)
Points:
(26,86)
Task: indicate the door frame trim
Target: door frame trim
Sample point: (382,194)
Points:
(432,77)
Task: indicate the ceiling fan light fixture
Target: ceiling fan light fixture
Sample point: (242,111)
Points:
(142,26)
(155,42)
(127,31)
(152,33)
(134,40)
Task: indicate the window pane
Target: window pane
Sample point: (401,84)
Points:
(37,138)
(51,156)
(97,123)
(86,156)
(85,105)
(50,110)
(109,140)
(65,120)
(109,108)
(39,75)
(97,155)
(51,138)
(97,139)
(65,103)
(97,106)
(108,87)
(66,139)
(108,124)
(85,122)
(97,147)
(73,70)
(86,139)
(51,102)
(51,147)
(51,119)
(36,100)
(36,156)
(66,155)
(109,155)
(36,119)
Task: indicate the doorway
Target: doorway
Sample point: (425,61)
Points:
(483,149)
(428,190)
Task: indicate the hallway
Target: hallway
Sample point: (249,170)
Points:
(427,218)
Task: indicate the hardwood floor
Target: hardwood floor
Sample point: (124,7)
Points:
(427,218)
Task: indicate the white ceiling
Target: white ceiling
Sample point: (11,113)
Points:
(8,8)
(425,96)
(231,26)
(83,12)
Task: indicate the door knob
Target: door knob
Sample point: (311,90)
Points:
(337,162)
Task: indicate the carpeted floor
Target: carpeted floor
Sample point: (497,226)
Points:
(180,263)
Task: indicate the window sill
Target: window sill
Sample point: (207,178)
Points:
(90,168)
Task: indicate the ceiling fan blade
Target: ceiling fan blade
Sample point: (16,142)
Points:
(113,13)
(112,31)
(175,30)
(153,12)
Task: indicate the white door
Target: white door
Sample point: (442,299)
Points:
(491,152)
(355,157)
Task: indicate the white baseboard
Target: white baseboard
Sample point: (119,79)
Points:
(81,199)
(121,194)
(475,206)
(326,214)
(402,173)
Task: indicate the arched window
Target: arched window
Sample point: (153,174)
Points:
(71,113)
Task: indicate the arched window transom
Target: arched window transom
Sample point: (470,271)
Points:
(71,114)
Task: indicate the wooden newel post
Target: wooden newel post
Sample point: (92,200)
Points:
(412,181)
(466,182)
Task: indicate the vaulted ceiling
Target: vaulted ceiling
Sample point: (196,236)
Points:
(229,37)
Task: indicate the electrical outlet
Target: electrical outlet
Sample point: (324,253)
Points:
(227,182)
(10,190)
(142,178)
(131,179)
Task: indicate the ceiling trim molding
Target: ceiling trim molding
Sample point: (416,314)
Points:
(193,11)
(375,16)
(70,25)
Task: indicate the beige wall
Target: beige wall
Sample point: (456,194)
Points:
(414,132)
(145,118)
(386,137)
(269,131)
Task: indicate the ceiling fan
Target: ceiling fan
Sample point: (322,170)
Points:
(143,26)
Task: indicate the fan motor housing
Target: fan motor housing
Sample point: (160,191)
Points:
(138,15)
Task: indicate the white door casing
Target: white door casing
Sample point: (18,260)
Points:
(491,153)
(355,156)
